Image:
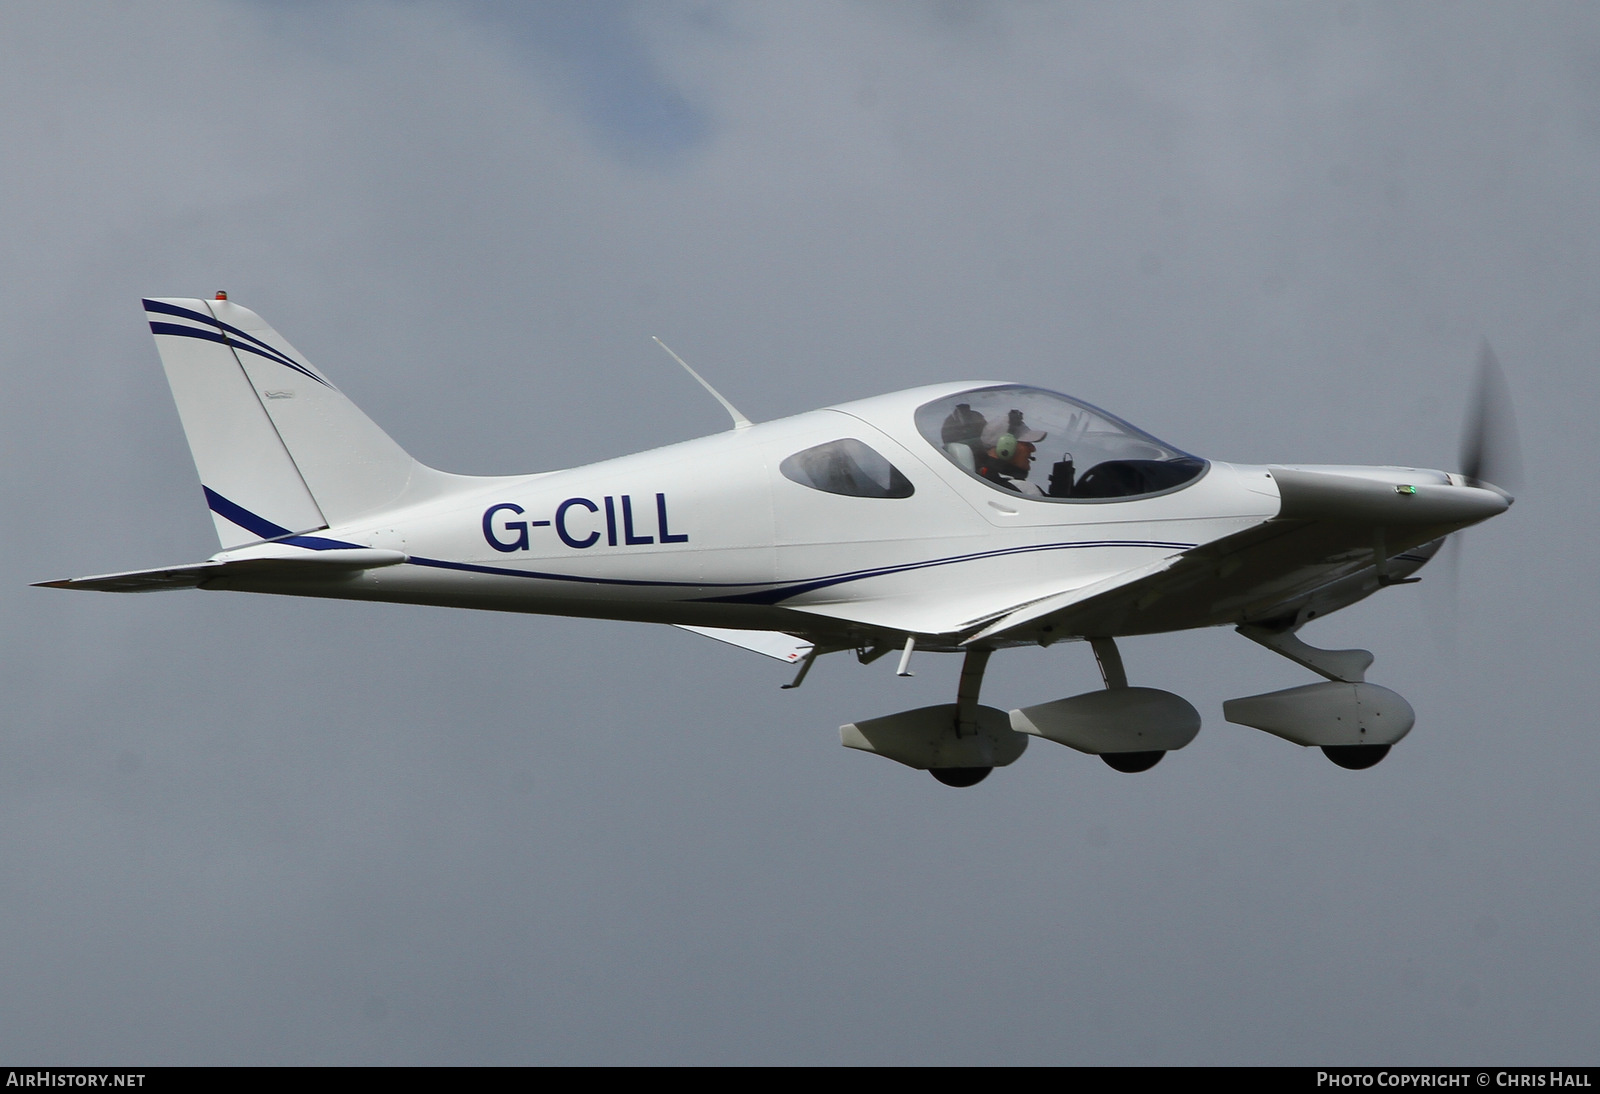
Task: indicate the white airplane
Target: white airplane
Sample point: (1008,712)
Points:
(913,521)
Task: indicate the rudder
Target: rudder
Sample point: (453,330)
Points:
(279,449)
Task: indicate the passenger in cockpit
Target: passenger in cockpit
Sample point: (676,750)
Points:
(962,436)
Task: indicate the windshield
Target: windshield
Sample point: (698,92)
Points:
(1038,443)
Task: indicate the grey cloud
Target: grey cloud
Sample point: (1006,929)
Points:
(244,830)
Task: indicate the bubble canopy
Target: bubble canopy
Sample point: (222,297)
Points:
(1037,443)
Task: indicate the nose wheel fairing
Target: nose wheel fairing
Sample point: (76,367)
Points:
(1334,714)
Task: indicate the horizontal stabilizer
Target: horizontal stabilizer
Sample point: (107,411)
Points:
(269,560)
(776,644)
(139,581)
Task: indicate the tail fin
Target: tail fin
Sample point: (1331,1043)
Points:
(279,449)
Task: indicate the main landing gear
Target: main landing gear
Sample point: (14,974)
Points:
(972,670)
(1355,757)
(960,743)
(1132,762)
(957,743)
(1129,728)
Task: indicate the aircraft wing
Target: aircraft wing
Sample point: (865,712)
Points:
(1330,528)
(955,609)
(266,560)
(1060,604)
(1331,531)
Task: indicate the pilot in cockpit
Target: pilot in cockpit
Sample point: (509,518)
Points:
(1006,454)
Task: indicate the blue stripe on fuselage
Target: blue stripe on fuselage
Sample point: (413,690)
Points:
(279,534)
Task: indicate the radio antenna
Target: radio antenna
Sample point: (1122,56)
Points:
(739,420)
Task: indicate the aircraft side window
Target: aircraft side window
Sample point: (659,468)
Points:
(846,467)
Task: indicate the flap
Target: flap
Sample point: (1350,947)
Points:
(775,644)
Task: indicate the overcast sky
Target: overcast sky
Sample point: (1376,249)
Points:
(235,829)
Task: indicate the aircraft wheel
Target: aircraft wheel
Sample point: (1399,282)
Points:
(1131,762)
(1355,757)
(960,776)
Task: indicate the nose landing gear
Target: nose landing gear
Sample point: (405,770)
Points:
(1352,721)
